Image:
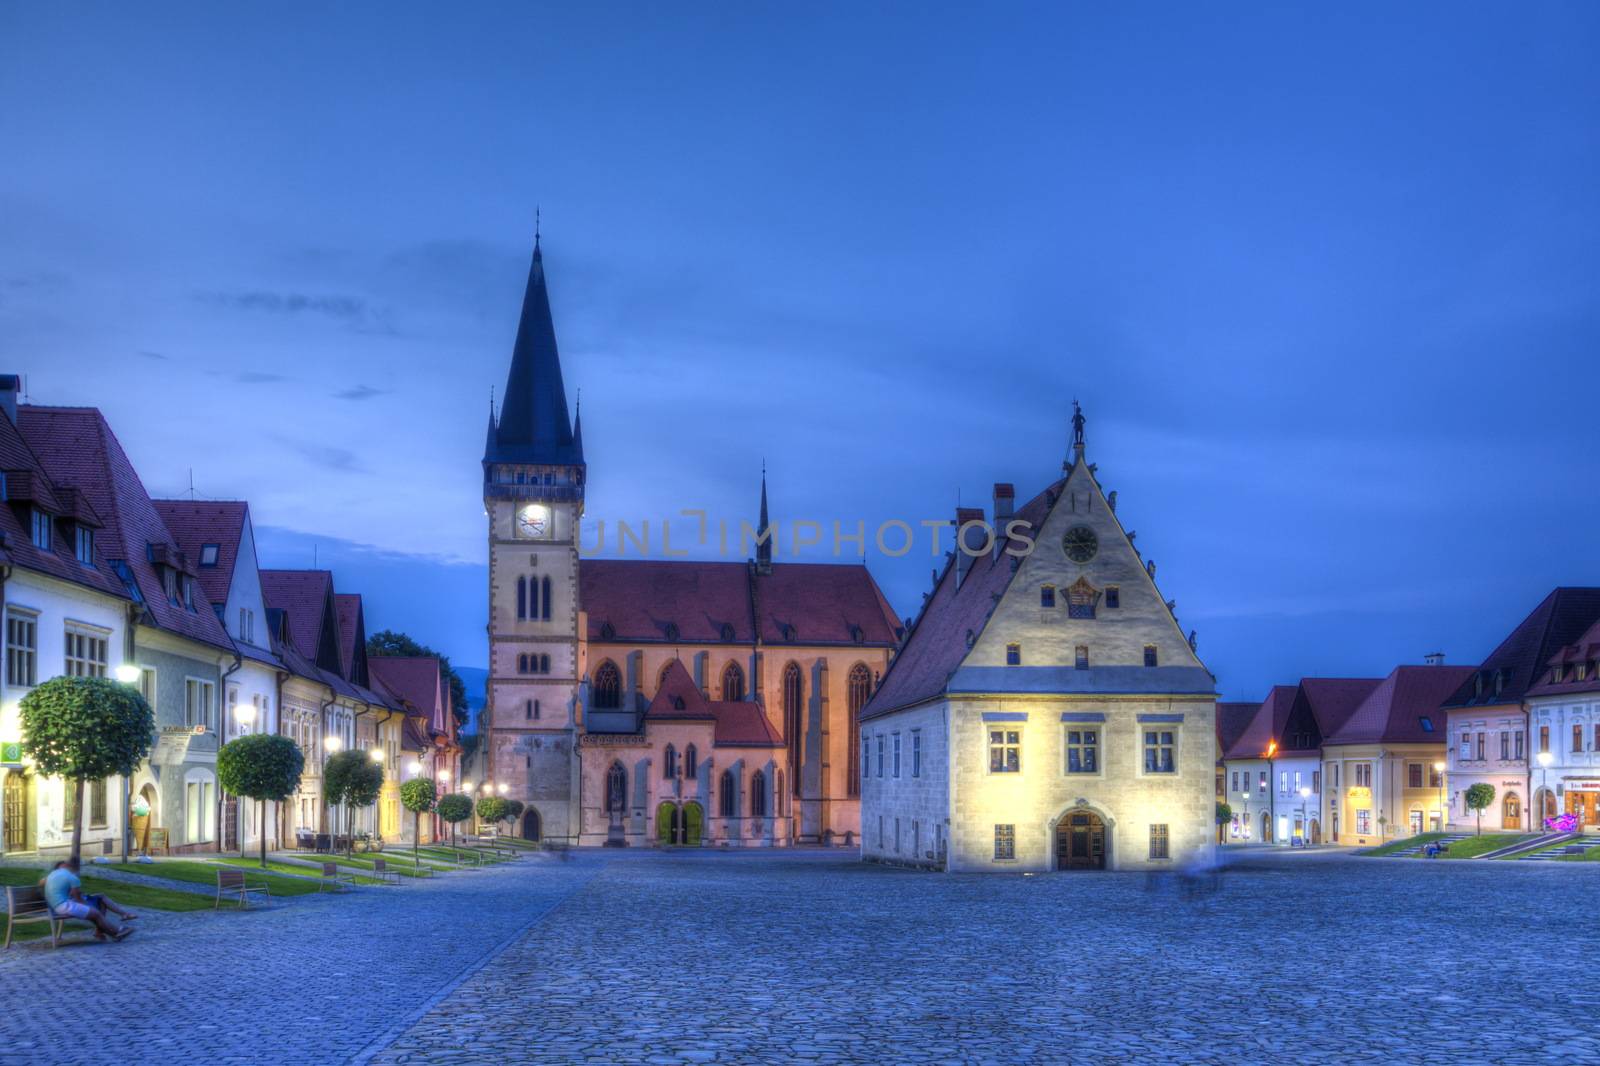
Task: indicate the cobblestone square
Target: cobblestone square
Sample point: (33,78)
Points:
(810,956)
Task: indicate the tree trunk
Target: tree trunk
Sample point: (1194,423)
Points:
(263,833)
(77,821)
(416,838)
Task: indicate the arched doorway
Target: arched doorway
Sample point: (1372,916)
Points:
(1316,832)
(1266,827)
(1545,801)
(143,823)
(1081,841)
(1511,811)
(18,808)
(669,824)
(694,820)
(531,829)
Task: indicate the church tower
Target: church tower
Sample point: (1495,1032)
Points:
(533,478)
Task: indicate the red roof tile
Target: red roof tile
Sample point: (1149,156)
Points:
(78,448)
(303,596)
(418,680)
(714,602)
(1584,651)
(1232,718)
(1520,661)
(197,523)
(938,640)
(736,723)
(1334,699)
(1395,711)
(20,464)
(1266,725)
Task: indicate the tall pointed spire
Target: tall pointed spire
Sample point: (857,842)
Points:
(534,426)
(488,445)
(764,529)
(577,425)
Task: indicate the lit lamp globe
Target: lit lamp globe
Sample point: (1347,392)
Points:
(1545,759)
(1305,792)
(414,767)
(1439,766)
(333,743)
(127,673)
(377,755)
(504,788)
(444,777)
(245,715)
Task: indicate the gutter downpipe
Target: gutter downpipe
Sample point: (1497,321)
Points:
(222,733)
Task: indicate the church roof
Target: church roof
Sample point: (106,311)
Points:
(1521,659)
(1404,708)
(534,426)
(650,600)
(735,723)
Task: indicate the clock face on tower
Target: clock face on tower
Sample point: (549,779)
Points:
(1080,544)
(533,522)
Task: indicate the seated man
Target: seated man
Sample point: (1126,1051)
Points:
(63,893)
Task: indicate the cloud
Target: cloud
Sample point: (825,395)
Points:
(341,308)
(257,377)
(339,460)
(359,392)
(153,355)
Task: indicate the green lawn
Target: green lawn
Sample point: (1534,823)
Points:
(291,868)
(205,873)
(1472,847)
(1592,855)
(134,897)
(1401,845)
(397,863)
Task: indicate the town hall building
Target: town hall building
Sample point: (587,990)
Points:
(660,701)
(1045,711)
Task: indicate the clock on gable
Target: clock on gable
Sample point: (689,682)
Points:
(533,522)
(1080,544)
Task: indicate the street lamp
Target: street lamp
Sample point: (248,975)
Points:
(414,767)
(1438,768)
(504,788)
(1545,759)
(377,755)
(1245,796)
(1305,794)
(245,715)
(444,777)
(127,673)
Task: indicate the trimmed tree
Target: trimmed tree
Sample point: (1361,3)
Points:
(455,808)
(418,796)
(1478,798)
(86,729)
(491,809)
(353,779)
(263,767)
(1224,816)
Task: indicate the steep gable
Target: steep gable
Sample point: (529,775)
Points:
(1520,661)
(306,599)
(1405,707)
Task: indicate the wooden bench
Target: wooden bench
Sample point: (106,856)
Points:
(235,883)
(380,870)
(334,879)
(26,904)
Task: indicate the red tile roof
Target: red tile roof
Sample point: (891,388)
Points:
(736,723)
(303,596)
(352,636)
(78,448)
(1266,725)
(1584,651)
(1232,718)
(25,477)
(196,523)
(938,640)
(1521,659)
(717,602)
(1334,699)
(1395,711)
(417,679)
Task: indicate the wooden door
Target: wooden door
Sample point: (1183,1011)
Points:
(1511,815)
(1081,842)
(17,806)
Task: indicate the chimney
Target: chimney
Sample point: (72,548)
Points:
(10,386)
(969,540)
(1004,497)
(1434,658)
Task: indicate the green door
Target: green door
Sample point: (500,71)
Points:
(664,816)
(694,819)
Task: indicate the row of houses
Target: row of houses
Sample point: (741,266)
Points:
(99,579)
(1361,761)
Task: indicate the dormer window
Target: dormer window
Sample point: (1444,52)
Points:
(1499,681)
(85,545)
(1477,685)
(187,583)
(39,530)
(727,632)
(608,631)
(208,554)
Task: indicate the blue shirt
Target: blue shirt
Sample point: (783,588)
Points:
(58,886)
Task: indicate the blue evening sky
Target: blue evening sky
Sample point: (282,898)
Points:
(1324,278)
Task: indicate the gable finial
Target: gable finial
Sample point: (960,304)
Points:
(1077,430)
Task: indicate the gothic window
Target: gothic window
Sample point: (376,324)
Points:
(728,796)
(859,687)
(616,788)
(1150,655)
(777,796)
(758,795)
(691,762)
(522,597)
(794,717)
(608,687)
(544,607)
(669,763)
(733,682)
(1081,598)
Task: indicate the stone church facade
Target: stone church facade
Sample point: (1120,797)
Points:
(1046,711)
(636,702)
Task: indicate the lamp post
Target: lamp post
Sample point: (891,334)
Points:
(444,779)
(128,674)
(1545,759)
(330,745)
(1305,795)
(1438,768)
(1245,796)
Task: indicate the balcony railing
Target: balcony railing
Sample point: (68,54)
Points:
(501,491)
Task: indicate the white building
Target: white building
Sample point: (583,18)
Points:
(1564,713)
(65,612)
(1045,711)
